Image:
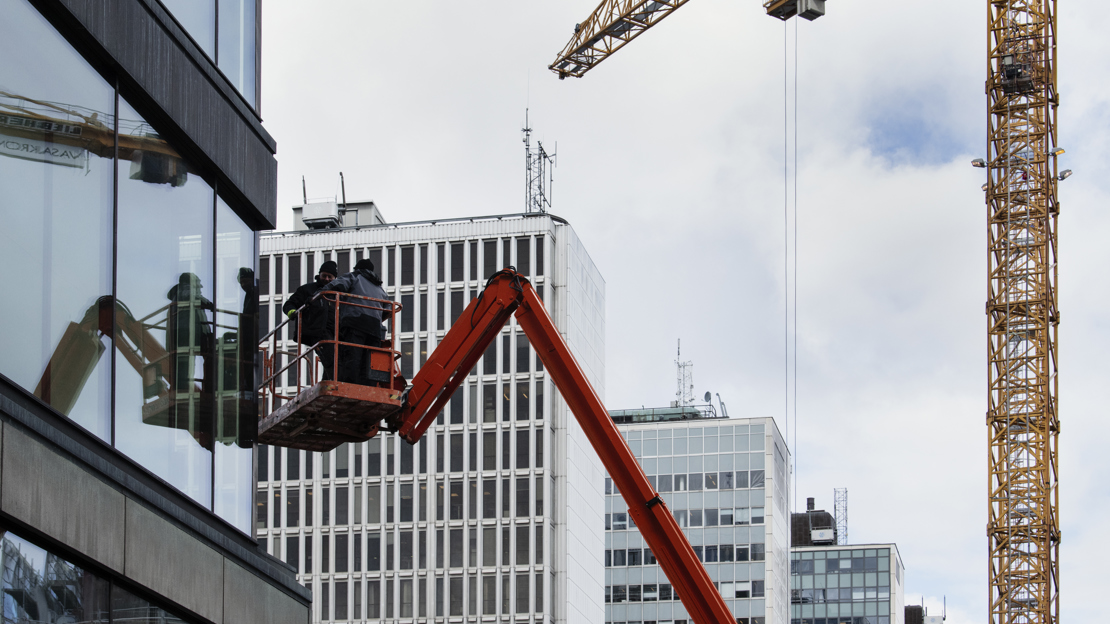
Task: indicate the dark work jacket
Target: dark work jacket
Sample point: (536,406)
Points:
(366,284)
(314,317)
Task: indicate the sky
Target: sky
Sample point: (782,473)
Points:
(672,170)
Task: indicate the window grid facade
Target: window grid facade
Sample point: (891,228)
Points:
(847,585)
(720,480)
(459,526)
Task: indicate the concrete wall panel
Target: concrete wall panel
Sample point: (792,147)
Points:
(253,601)
(61,499)
(170,562)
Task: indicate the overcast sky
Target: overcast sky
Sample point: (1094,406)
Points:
(670,169)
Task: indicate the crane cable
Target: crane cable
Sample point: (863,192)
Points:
(786,218)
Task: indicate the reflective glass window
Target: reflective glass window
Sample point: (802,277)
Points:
(165,364)
(198,17)
(56,242)
(236,333)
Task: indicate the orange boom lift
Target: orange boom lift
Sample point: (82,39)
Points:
(326,413)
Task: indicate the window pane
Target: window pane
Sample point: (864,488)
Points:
(522,402)
(522,353)
(522,448)
(341,541)
(456,597)
(489,546)
(489,451)
(523,256)
(456,452)
(489,258)
(292,508)
(522,496)
(237,319)
(164,274)
(522,545)
(198,17)
(522,593)
(406,501)
(408,262)
(456,500)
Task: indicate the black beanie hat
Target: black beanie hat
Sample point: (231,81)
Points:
(366,264)
(330,268)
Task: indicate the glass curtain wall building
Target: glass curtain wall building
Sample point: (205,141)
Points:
(727,483)
(475,521)
(127,399)
(847,585)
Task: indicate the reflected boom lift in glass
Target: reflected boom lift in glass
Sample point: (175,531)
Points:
(325,414)
(173,395)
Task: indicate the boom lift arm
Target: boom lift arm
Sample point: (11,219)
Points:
(506,294)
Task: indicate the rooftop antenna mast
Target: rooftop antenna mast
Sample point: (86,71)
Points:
(840,511)
(684,397)
(539,169)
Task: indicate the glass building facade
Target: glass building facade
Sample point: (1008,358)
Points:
(470,523)
(134,176)
(726,483)
(847,585)
(133,309)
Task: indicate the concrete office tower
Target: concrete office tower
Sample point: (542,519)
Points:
(134,174)
(861,584)
(727,483)
(495,515)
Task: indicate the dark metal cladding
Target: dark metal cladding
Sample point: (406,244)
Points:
(181,92)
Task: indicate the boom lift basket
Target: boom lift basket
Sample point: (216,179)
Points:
(316,414)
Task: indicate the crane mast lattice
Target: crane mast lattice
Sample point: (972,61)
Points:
(1023,527)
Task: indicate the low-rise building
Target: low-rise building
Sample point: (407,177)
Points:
(860,584)
(726,482)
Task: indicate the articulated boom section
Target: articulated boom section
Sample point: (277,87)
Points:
(509,293)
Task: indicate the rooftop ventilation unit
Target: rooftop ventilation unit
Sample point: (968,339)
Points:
(320,215)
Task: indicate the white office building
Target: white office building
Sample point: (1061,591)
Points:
(496,515)
(727,483)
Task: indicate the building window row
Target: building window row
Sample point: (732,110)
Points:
(845,594)
(662,591)
(698,481)
(450,262)
(733,516)
(504,594)
(508,496)
(505,449)
(407,549)
(714,553)
(832,566)
(743,620)
(845,618)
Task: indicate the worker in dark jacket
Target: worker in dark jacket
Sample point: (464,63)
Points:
(359,324)
(314,316)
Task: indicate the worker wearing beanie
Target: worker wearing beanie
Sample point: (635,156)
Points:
(315,313)
(358,324)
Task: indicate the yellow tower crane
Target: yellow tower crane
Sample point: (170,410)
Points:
(614,23)
(1023,526)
